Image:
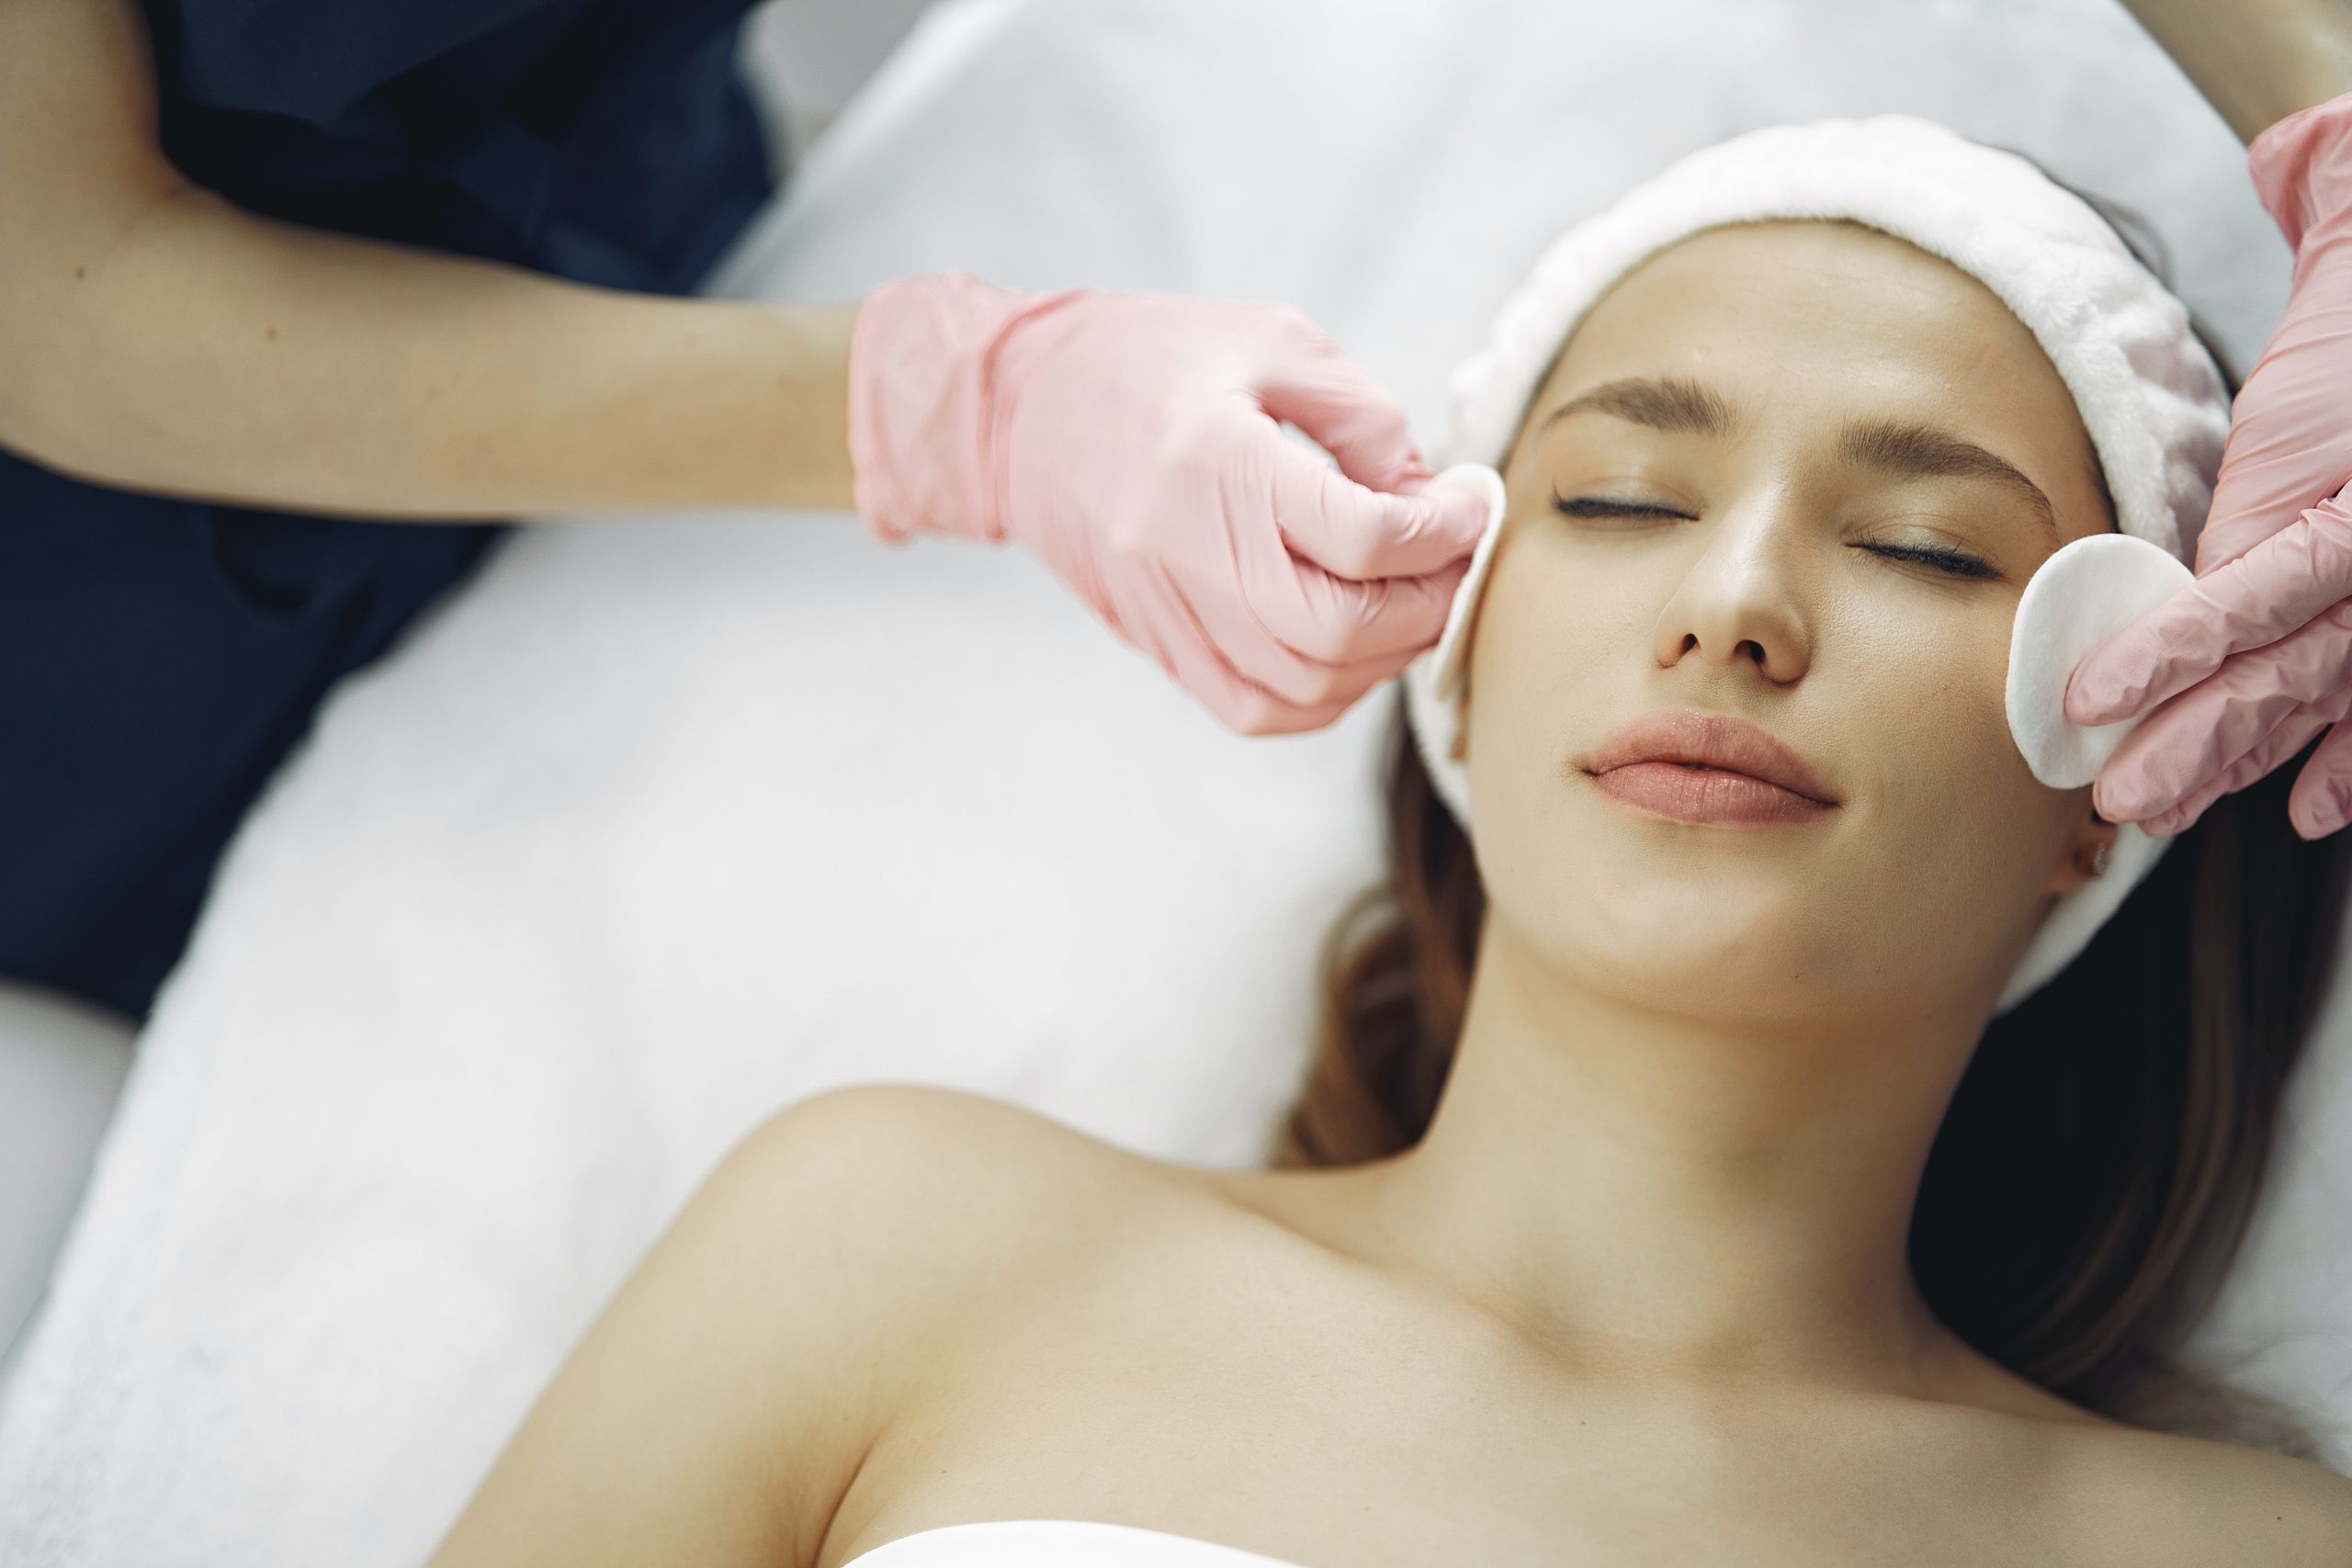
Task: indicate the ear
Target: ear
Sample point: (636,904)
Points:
(2082,857)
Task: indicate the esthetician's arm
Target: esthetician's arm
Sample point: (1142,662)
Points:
(154,337)
(2256,61)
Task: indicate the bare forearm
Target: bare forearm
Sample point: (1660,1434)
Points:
(154,337)
(203,351)
(2257,61)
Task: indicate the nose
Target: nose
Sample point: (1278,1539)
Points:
(1739,600)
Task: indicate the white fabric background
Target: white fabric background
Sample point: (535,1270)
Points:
(661,825)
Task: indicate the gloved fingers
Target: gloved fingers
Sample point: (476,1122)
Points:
(2267,483)
(1303,677)
(2322,799)
(2292,575)
(2267,753)
(1314,385)
(2123,675)
(2289,443)
(2310,663)
(2196,735)
(1327,518)
(1173,634)
(1342,686)
(2252,602)
(1375,620)
(1338,620)
(2321,802)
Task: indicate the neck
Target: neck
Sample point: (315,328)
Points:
(1679,1189)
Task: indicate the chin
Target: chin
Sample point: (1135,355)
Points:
(1667,930)
(1713,974)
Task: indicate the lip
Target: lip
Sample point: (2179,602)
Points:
(1708,767)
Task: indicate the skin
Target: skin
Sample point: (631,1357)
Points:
(154,337)
(1639,1297)
(2256,61)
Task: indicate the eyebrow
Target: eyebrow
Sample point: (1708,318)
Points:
(1922,449)
(1677,404)
(1662,402)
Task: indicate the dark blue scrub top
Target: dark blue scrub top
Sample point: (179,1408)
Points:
(158,657)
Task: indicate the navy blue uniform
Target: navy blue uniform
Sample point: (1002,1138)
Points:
(159,656)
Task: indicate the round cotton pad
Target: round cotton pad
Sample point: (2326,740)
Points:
(2081,597)
(1453,643)
(1433,681)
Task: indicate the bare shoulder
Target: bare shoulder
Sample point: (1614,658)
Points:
(843,1253)
(958,1189)
(2155,1499)
(917,1134)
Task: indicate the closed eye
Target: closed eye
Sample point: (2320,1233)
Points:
(1958,563)
(1608,506)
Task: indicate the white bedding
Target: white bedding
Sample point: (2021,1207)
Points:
(661,825)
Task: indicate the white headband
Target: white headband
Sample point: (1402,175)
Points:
(2151,396)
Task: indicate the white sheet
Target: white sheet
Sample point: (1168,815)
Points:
(662,825)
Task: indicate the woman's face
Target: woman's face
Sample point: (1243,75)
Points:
(1797,473)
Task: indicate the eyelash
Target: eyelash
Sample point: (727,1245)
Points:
(1956,563)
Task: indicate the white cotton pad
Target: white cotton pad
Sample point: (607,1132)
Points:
(2081,597)
(1453,644)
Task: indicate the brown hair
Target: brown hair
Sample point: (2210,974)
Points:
(2102,1156)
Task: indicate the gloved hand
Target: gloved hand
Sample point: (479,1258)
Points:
(1130,441)
(2254,658)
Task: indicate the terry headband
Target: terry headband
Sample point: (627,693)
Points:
(2149,394)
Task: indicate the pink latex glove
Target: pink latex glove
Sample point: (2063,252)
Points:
(2254,658)
(1130,441)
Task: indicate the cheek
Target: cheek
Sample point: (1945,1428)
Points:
(1922,695)
(1546,654)
(1960,827)
(1559,656)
